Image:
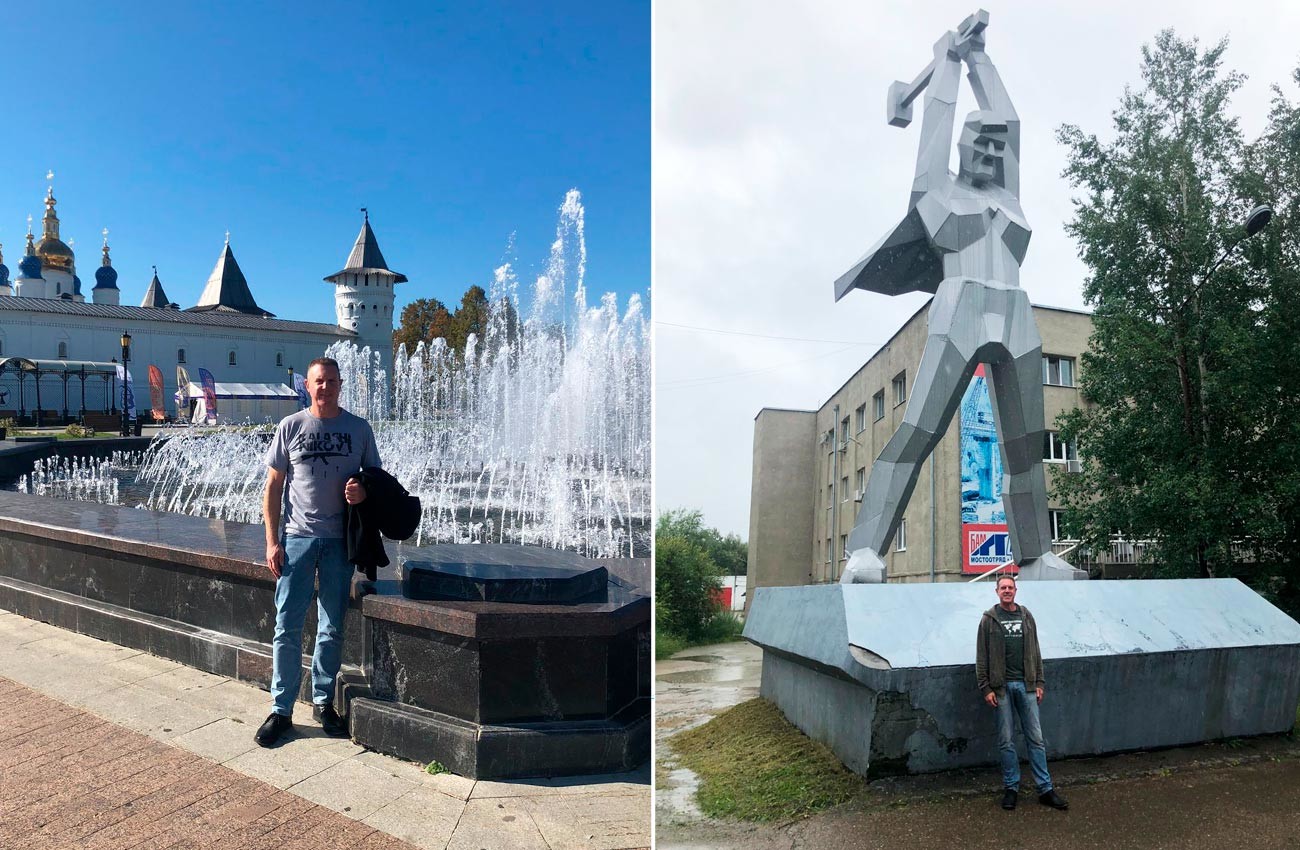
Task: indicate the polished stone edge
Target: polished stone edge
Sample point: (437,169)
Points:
(489,620)
(475,582)
(122,545)
(482,751)
(212,652)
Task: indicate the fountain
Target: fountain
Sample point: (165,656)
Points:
(537,433)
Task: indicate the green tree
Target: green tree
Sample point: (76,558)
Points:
(424,319)
(1182,396)
(728,552)
(685,583)
(471,317)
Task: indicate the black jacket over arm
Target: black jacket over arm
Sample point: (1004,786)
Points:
(388,510)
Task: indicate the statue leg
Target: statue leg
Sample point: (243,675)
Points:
(946,368)
(1016,385)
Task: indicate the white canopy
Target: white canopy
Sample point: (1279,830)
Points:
(238,402)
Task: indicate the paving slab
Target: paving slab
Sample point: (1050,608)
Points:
(352,787)
(423,816)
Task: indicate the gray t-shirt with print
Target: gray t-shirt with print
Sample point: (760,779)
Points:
(317,457)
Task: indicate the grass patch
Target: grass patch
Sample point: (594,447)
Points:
(433,768)
(667,645)
(754,765)
(722,627)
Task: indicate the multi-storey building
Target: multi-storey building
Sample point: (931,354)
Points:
(811,466)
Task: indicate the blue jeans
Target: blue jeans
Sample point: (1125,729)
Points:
(306,561)
(1016,699)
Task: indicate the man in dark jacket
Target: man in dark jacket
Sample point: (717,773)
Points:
(1009,672)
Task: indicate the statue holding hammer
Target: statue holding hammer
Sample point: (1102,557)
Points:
(963,238)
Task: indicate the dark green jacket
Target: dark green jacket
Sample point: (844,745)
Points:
(991,654)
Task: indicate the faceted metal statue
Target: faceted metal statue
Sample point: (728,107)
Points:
(963,238)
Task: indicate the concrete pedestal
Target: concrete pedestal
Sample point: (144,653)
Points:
(885,674)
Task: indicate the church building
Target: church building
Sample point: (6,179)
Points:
(45,316)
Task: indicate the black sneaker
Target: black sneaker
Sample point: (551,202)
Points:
(1009,798)
(270,731)
(329,720)
(1056,801)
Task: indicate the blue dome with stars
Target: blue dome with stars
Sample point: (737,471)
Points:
(30,267)
(105,278)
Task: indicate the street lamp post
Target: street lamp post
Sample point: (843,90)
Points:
(126,390)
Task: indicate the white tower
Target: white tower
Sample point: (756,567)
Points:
(363,294)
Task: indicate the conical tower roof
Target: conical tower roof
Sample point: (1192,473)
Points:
(154,296)
(228,290)
(366,258)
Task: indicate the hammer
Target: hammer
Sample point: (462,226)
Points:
(898,104)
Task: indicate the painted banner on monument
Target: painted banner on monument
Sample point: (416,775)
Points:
(209,385)
(985,541)
(156,393)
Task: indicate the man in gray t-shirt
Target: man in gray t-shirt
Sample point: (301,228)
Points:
(314,452)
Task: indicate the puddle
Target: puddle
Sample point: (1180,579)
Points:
(705,677)
(706,659)
(678,798)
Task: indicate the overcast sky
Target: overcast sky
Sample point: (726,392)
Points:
(774,171)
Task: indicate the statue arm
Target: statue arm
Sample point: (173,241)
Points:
(937,122)
(991,95)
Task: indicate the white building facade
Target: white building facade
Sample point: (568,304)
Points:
(45,316)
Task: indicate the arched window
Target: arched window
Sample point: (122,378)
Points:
(58,288)
(180,355)
(351,307)
(279,358)
(363,308)
(232,358)
(63,351)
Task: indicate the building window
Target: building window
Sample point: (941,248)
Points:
(900,539)
(232,359)
(861,481)
(844,430)
(860,418)
(878,406)
(180,355)
(900,388)
(279,358)
(1058,371)
(844,489)
(351,308)
(828,550)
(1056,449)
(63,351)
(1057,521)
(844,547)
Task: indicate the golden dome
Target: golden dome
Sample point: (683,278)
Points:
(54,253)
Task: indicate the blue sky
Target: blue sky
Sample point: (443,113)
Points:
(456,127)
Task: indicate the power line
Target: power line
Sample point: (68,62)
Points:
(760,336)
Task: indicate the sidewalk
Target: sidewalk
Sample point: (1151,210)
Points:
(114,748)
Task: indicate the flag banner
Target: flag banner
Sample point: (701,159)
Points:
(300,387)
(156,393)
(209,395)
(128,391)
